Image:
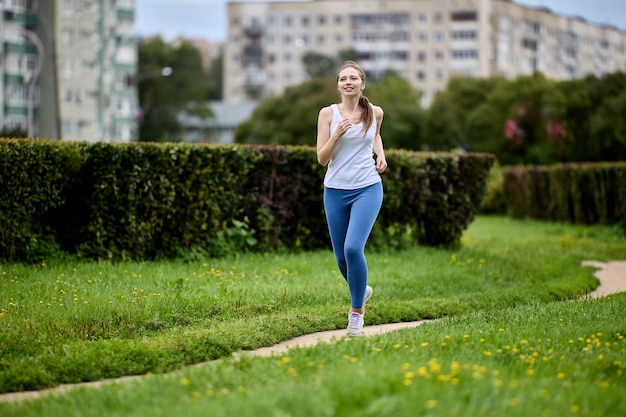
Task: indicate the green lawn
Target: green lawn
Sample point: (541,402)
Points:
(505,344)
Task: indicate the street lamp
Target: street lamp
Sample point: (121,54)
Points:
(163,72)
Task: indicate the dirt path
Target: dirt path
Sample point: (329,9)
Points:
(612,277)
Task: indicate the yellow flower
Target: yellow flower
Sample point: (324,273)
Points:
(185,382)
(430,404)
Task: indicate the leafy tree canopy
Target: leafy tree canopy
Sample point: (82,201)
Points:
(161,98)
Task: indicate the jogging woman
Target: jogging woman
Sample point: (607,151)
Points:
(348,136)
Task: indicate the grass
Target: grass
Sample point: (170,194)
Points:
(87,321)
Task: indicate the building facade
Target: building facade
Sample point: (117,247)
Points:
(21,66)
(425,41)
(72,58)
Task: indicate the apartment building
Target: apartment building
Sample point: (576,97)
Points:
(66,67)
(20,66)
(425,41)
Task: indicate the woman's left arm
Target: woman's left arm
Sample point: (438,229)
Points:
(381,161)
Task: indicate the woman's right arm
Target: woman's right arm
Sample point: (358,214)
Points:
(327,143)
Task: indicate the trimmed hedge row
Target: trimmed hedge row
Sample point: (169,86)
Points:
(145,201)
(585,193)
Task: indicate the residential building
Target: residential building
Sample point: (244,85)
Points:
(20,66)
(425,41)
(73,61)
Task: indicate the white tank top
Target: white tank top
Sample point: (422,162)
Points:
(352,165)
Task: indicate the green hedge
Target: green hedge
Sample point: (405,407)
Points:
(33,178)
(577,193)
(145,201)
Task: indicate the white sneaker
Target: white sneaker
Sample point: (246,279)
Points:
(368,294)
(355,324)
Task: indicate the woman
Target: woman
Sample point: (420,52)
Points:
(347,134)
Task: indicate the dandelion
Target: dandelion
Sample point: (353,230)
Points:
(293,372)
(574,409)
(430,404)
(530,372)
(514,402)
(185,382)
(285,360)
(196,395)
(560,375)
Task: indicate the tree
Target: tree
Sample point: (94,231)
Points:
(215,76)
(403,114)
(163,98)
(319,65)
(445,125)
(289,119)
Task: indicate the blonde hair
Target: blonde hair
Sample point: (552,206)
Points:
(367,114)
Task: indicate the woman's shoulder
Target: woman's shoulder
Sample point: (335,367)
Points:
(378,111)
(326,111)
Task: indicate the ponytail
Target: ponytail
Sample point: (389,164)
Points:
(367,113)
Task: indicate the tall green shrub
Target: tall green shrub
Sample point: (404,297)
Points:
(33,176)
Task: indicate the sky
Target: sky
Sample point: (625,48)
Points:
(206,19)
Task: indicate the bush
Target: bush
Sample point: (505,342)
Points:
(590,193)
(148,201)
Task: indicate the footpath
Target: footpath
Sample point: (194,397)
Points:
(612,277)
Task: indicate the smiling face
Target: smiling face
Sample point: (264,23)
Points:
(350,81)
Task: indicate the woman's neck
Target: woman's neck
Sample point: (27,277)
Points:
(350,105)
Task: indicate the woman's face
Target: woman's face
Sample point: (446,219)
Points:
(349,82)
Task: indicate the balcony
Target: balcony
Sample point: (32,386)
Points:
(26,18)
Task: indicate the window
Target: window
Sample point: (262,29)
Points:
(464,54)
(421,75)
(459,35)
(438,55)
(438,37)
(422,37)
(421,56)
(529,44)
(464,16)
(421,18)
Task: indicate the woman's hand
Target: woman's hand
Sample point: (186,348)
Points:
(343,126)
(381,164)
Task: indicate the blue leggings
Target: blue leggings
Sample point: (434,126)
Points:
(351,215)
